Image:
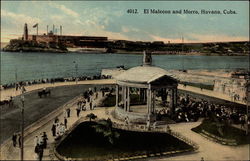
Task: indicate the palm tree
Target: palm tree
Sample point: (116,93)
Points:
(91,116)
(105,127)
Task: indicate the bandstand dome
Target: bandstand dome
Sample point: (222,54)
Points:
(142,74)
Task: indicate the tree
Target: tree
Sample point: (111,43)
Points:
(105,127)
(91,116)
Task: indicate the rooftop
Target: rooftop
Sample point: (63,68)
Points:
(142,74)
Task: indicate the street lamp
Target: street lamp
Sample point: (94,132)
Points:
(247,103)
(22,126)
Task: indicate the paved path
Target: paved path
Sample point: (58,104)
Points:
(8,152)
(5,94)
(35,108)
(209,150)
(209,93)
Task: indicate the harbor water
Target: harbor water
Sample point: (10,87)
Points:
(33,66)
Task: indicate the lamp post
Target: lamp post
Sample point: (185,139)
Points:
(22,127)
(76,69)
(247,103)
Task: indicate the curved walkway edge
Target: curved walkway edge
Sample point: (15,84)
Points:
(5,94)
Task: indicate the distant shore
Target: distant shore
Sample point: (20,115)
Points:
(112,51)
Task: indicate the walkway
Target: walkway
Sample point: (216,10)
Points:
(207,149)
(8,152)
(5,94)
(208,93)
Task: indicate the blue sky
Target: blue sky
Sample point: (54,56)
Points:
(111,19)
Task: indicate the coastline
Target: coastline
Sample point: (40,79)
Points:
(123,52)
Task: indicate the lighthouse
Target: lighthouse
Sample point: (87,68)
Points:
(25,33)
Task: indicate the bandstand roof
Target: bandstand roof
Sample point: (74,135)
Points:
(146,75)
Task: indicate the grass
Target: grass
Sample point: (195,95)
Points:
(84,142)
(229,132)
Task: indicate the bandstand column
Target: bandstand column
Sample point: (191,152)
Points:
(128,99)
(149,100)
(153,108)
(172,100)
(124,97)
(117,95)
(144,93)
(175,98)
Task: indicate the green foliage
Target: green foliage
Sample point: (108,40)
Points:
(223,130)
(91,116)
(105,127)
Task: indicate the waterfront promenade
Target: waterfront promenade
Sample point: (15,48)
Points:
(208,149)
(5,94)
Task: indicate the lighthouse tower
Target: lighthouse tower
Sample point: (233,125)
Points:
(25,33)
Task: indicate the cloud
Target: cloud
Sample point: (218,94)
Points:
(64,9)
(166,40)
(18,18)
(129,29)
(215,38)
(57,18)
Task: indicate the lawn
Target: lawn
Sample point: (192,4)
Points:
(229,132)
(85,143)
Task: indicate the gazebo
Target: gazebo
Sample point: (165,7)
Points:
(146,81)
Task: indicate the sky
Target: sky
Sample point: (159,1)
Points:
(111,19)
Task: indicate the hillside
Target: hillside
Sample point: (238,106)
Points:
(33,46)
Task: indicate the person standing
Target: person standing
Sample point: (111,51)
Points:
(56,120)
(57,130)
(19,140)
(96,95)
(148,124)
(78,111)
(91,105)
(65,122)
(40,152)
(53,129)
(65,113)
(61,129)
(83,105)
(14,137)
(68,112)
(44,138)
(36,141)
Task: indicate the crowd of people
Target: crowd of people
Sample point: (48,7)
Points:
(52,80)
(17,139)
(40,143)
(191,109)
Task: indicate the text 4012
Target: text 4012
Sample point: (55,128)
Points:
(133,11)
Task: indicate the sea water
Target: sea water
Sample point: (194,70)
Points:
(33,66)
